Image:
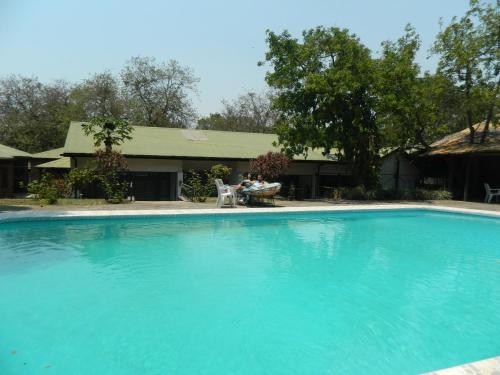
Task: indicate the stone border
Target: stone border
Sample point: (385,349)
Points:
(490,366)
(18,216)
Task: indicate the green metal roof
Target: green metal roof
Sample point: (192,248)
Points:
(50,154)
(184,143)
(5,156)
(7,152)
(62,163)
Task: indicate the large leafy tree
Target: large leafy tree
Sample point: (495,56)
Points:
(251,112)
(159,94)
(325,93)
(469,56)
(413,109)
(34,116)
(99,95)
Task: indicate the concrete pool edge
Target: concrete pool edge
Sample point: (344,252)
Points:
(23,216)
(489,366)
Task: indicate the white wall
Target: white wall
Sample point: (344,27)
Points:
(238,167)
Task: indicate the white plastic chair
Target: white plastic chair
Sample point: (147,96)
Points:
(225,192)
(490,193)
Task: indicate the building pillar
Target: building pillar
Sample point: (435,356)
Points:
(10,180)
(451,172)
(467,177)
(180,179)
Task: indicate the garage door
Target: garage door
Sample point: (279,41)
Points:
(153,186)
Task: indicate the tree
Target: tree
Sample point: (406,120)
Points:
(271,165)
(250,112)
(108,131)
(110,166)
(99,95)
(325,93)
(159,93)
(469,56)
(412,110)
(35,117)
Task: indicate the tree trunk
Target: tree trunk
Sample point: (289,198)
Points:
(489,117)
(420,134)
(108,145)
(468,85)
(471,127)
(396,175)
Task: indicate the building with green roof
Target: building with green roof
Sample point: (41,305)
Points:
(50,161)
(158,157)
(14,170)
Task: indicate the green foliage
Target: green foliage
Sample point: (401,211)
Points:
(48,189)
(194,188)
(360,193)
(198,186)
(109,131)
(110,168)
(108,171)
(218,171)
(81,178)
(470,57)
(324,88)
(271,165)
(34,116)
(99,95)
(412,110)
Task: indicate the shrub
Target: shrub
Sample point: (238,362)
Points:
(45,189)
(193,187)
(442,195)
(359,193)
(111,168)
(271,165)
(81,178)
(219,171)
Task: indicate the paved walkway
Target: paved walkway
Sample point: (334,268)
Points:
(181,205)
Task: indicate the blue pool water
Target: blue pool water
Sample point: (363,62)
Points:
(313,293)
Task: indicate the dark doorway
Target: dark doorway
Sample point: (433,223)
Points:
(153,186)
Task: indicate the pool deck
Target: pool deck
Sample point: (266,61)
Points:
(188,208)
(489,366)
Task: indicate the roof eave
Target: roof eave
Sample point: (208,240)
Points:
(176,157)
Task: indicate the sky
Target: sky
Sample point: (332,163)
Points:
(222,41)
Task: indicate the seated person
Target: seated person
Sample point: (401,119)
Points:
(245,183)
(260,182)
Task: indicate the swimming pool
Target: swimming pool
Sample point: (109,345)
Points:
(381,292)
